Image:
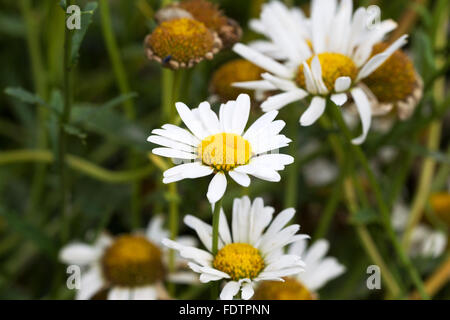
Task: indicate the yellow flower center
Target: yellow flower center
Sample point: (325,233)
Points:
(238,70)
(440,202)
(224,151)
(239,261)
(132,261)
(395,79)
(182,40)
(206,12)
(334,65)
(291,289)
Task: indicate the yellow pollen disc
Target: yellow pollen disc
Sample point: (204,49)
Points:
(395,79)
(182,40)
(334,65)
(291,289)
(238,70)
(206,12)
(239,261)
(440,202)
(132,261)
(224,151)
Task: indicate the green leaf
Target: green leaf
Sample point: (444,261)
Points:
(75,131)
(365,216)
(78,35)
(83,113)
(25,96)
(29,232)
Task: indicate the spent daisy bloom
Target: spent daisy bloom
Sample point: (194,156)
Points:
(218,145)
(395,88)
(181,43)
(127,267)
(252,251)
(237,70)
(425,241)
(319,270)
(329,65)
(207,13)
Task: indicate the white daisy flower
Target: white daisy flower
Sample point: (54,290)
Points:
(248,253)
(319,271)
(330,66)
(218,145)
(128,267)
(425,242)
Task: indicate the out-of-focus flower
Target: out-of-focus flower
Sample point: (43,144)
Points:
(319,270)
(237,70)
(218,145)
(440,203)
(181,43)
(127,267)
(209,14)
(330,64)
(247,254)
(425,241)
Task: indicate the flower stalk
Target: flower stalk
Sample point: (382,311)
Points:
(385,215)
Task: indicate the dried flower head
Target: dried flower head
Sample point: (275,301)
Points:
(181,43)
(209,14)
(395,85)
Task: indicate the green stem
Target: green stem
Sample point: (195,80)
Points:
(76,163)
(434,138)
(424,186)
(350,196)
(215,226)
(291,195)
(40,86)
(62,138)
(215,242)
(328,213)
(129,108)
(385,215)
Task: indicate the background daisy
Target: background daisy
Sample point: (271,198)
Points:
(328,65)
(127,267)
(319,270)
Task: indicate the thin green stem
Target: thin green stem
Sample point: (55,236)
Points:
(129,108)
(328,213)
(62,138)
(385,215)
(350,197)
(76,163)
(424,186)
(215,242)
(215,226)
(40,86)
(291,194)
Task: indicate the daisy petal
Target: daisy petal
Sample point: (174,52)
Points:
(380,58)
(365,113)
(240,178)
(217,187)
(278,101)
(247,291)
(262,61)
(339,99)
(190,120)
(314,111)
(342,84)
(230,290)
